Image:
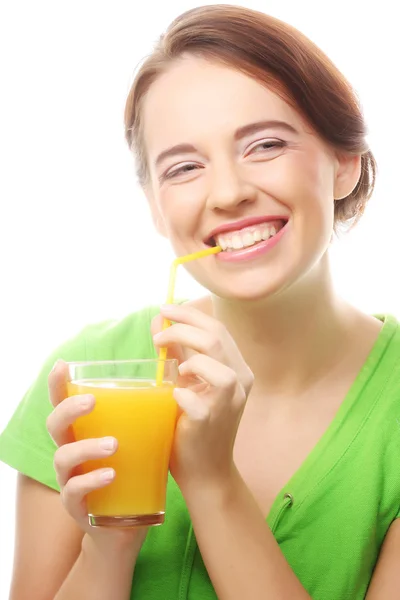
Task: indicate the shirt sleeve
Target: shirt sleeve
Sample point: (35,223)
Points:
(25,443)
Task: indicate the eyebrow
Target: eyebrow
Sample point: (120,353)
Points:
(260,125)
(178,149)
(240,133)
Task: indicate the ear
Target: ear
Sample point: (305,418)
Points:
(347,174)
(155,212)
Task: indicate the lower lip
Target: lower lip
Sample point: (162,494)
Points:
(252,251)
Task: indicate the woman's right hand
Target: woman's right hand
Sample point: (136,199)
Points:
(71,454)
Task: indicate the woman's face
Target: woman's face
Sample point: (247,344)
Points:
(224,151)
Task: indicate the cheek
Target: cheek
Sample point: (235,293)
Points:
(180,207)
(314,206)
(301,182)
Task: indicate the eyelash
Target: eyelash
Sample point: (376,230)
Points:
(181,170)
(271,144)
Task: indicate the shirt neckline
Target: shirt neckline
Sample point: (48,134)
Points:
(340,432)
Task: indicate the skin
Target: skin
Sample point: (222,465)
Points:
(239,341)
(224,181)
(265,304)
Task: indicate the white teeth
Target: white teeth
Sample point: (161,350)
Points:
(245,238)
(237,242)
(248,239)
(223,244)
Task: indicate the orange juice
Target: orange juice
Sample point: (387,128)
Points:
(142,417)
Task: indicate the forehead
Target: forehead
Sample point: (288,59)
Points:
(196,98)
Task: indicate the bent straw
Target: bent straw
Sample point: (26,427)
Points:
(170,299)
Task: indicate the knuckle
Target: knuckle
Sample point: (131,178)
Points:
(156,324)
(65,494)
(58,460)
(60,483)
(71,490)
(248,380)
(213,344)
(241,396)
(206,413)
(49,424)
(230,379)
(62,495)
(220,329)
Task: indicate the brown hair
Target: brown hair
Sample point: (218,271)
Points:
(277,55)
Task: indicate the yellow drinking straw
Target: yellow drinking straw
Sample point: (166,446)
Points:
(170,298)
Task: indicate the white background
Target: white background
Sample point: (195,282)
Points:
(76,241)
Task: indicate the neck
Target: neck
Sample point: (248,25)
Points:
(291,340)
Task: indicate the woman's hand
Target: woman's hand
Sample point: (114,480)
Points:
(212,392)
(71,454)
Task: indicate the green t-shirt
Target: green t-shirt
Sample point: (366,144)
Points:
(330,519)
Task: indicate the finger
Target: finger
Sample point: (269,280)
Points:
(75,490)
(57,382)
(190,316)
(211,371)
(156,324)
(174,350)
(219,337)
(192,337)
(65,414)
(70,456)
(219,344)
(191,404)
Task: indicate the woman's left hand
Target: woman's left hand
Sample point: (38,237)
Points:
(217,383)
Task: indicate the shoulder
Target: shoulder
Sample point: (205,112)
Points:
(388,349)
(127,337)
(25,443)
(114,339)
(381,393)
(118,338)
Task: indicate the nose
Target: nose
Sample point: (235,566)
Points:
(228,190)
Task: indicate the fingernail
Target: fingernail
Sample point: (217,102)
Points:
(107,475)
(86,401)
(107,443)
(168,308)
(157,336)
(55,365)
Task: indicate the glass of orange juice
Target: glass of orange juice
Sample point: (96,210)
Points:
(138,409)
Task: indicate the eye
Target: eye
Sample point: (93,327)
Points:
(266,146)
(182,170)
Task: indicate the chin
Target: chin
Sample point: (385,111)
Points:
(248,289)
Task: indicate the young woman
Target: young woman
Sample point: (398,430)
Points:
(285,478)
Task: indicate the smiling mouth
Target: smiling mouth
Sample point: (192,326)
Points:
(230,241)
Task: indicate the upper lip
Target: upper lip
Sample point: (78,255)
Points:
(244,223)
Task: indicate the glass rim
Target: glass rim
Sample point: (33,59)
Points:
(127,361)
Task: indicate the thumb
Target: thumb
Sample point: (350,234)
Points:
(57,382)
